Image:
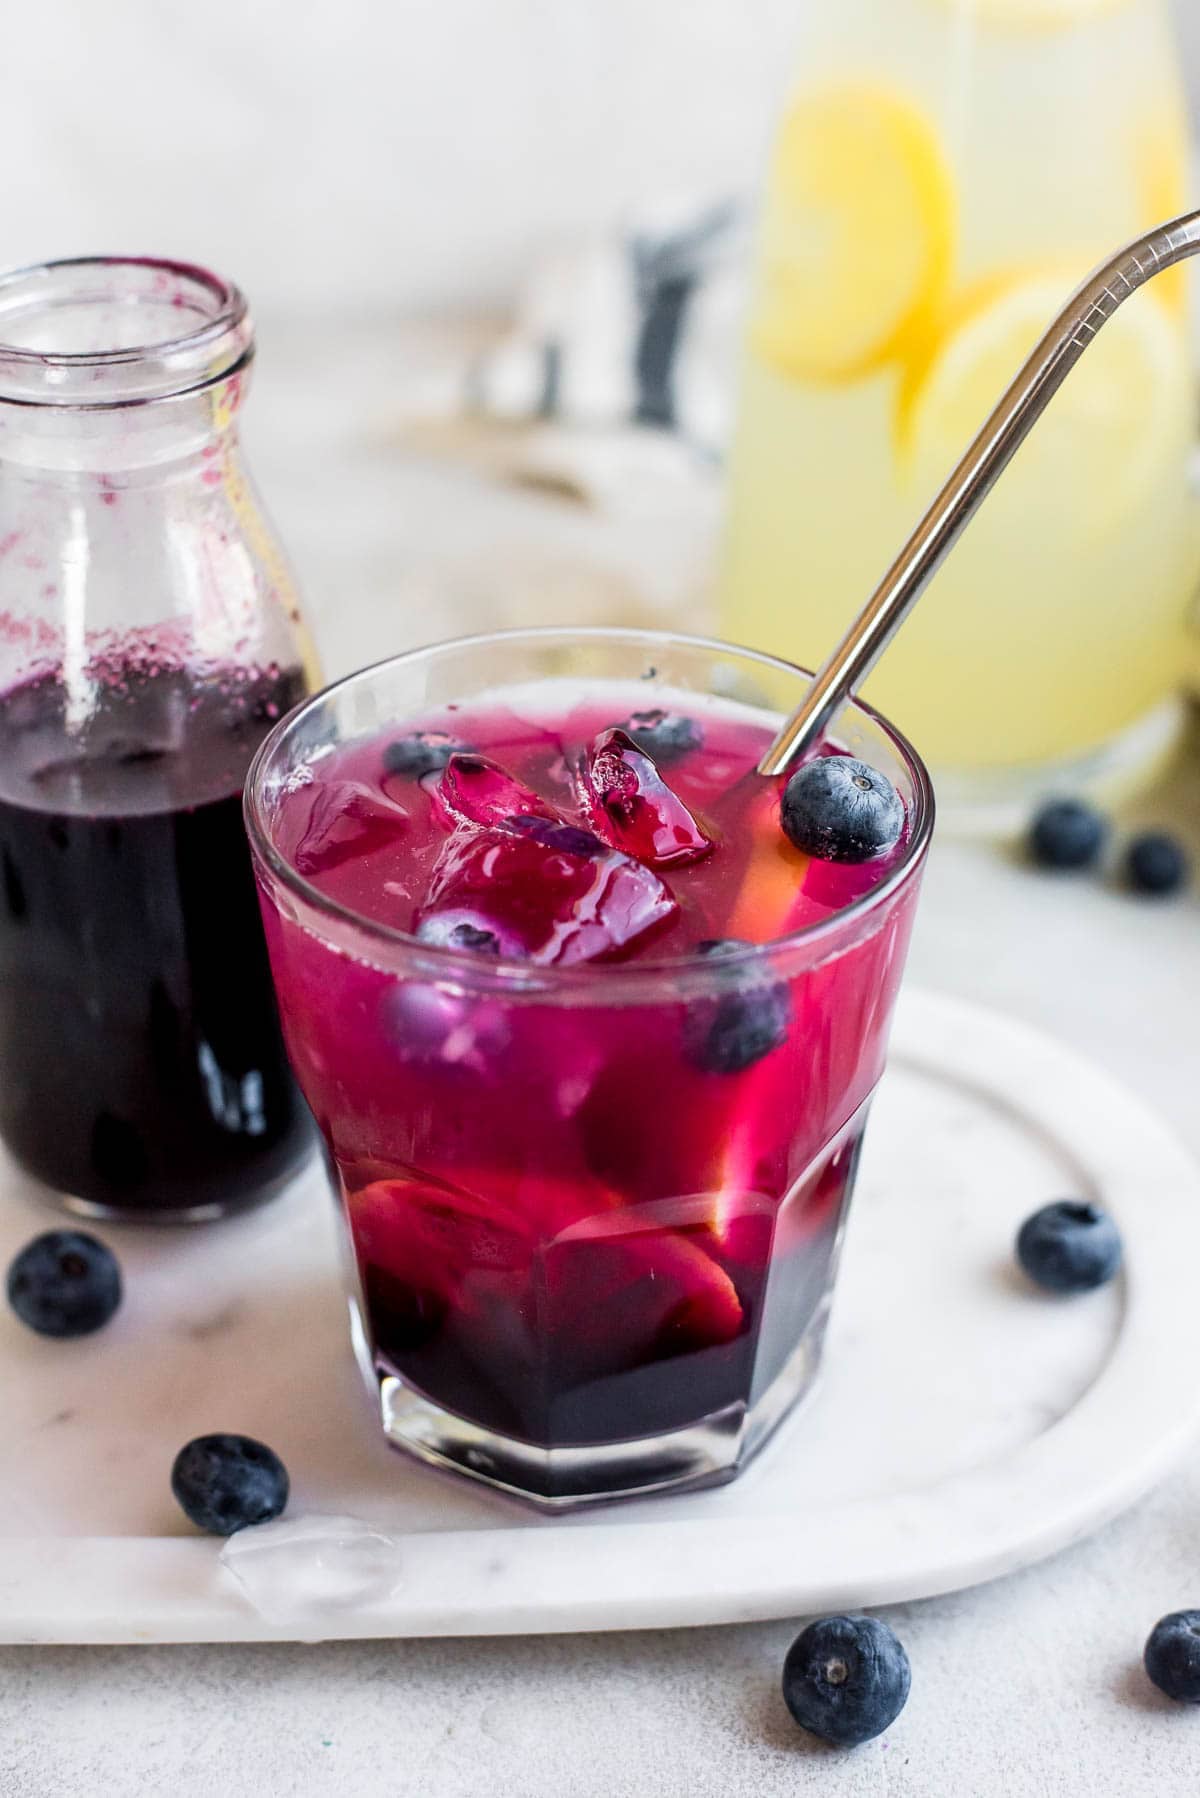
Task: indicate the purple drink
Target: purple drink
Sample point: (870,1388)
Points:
(591,1045)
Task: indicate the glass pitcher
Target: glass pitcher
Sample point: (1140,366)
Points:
(945,172)
(149,638)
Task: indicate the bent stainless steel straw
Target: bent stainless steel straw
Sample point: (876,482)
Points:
(1056,354)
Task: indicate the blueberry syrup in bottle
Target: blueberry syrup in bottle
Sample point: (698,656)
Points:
(141,1066)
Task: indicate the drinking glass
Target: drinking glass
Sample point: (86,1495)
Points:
(582,1263)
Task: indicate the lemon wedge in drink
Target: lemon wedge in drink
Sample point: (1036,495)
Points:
(1119,422)
(857,237)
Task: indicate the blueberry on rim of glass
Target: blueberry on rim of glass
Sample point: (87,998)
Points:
(841,810)
(451,932)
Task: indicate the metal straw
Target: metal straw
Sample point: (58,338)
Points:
(987,458)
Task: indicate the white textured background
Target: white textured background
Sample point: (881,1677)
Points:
(375,154)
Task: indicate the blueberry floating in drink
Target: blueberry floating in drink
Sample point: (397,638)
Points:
(420,752)
(840,810)
(746,1022)
(667,736)
(451,930)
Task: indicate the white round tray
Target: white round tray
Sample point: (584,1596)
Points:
(964,1425)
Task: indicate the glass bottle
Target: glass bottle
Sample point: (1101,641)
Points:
(149,637)
(945,173)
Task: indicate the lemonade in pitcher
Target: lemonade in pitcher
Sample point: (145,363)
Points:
(944,174)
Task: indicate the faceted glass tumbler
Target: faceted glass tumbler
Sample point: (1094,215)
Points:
(628,1288)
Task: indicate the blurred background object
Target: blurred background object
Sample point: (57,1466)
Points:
(348,155)
(494,249)
(945,173)
(355,157)
(381,181)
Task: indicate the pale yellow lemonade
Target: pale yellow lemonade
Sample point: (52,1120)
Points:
(945,172)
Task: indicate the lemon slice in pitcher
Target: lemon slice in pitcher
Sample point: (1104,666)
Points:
(858,234)
(1115,425)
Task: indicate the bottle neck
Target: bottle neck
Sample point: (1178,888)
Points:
(135,444)
(130,535)
(113,365)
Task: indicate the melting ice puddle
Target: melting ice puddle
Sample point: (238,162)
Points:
(301,1569)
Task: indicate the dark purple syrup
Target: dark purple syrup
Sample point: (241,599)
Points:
(141,1066)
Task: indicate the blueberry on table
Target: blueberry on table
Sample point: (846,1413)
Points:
(841,810)
(1155,864)
(846,1679)
(1066,834)
(64,1283)
(1070,1246)
(665,735)
(728,1034)
(1172,1656)
(226,1483)
(422,752)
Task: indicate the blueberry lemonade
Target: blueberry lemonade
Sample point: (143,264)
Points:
(590,1014)
(944,173)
